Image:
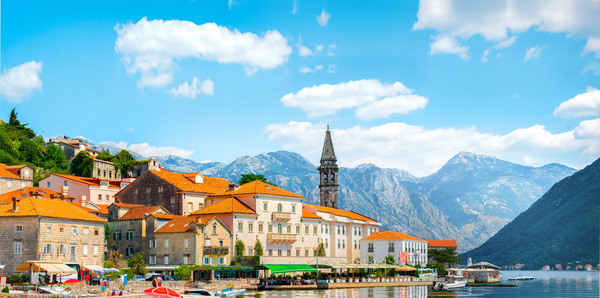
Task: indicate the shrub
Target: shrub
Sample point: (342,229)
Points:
(5,290)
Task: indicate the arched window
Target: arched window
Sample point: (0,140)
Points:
(332,178)
(279,207)
(325,177)
(278,228)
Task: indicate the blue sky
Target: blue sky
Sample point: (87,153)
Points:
(403,84)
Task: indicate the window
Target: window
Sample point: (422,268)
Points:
(279,252)
(315,230)
(297,229)
(207,260)
(250,252)
(279,207)
(22,184)
(103,184)
(220,242)
(206,242)
(289,253)
(160,189)
(355,245)
(129,235)
(117,235)
(18,246)
(185,260)
(343,243)
(297,252)
(48,249)
(265,207)
(135,191)
(390,247)
(61,249)
(240,226)
(152,243)
(190,206)
(371,261)
(221,260)
(270,228)
(96,232)
(326,229)
(306,229)
(65,183)
(270,252)
(306,252)
(250,227)
(98,172)
(166,242)
(85,231)
(370,248)
(338,229)
(47,184)
(147,192)
(214,229)
(152,260)
(99,197)
(260,227)
(8,184)
(172,200)
(107,197)
(289,229)
(359,232)
(166,260)
(95,250)
(344,230)
(129,251)
(49,229)
(326,243)
(278,228)
(74,230)
(293,208)
(61,229)
(315,253)
(185,242)
(85,250)
(339,244)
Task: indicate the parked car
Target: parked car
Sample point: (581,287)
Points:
(138,278)
(169,277)
(151,276)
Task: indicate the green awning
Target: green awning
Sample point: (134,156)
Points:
(287,268)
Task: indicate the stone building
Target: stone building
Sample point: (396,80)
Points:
(404,248)
(179,193)
(15,177)
(131,230)
(84,190)
(72,146)
(328,174)
(105,170)
(32,223)
(141,167)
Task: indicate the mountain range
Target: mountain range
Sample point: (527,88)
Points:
(562,227)
(469,199)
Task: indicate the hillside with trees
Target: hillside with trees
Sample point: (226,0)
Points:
(561,227)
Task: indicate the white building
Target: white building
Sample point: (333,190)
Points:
(406,249)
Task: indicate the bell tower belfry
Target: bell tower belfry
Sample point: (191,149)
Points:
(328,174)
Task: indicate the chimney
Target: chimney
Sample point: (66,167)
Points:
(64,190)
(233,187)
(15,204)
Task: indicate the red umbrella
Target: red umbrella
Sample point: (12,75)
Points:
(162,292)
(72,282)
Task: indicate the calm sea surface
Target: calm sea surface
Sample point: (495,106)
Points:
(547,284)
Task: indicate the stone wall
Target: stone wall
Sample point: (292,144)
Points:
(105,170)
(145,191)
(9,184)
(27,236)
(137,244)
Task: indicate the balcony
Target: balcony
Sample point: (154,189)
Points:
(216,250)
(281,238)
(282,216)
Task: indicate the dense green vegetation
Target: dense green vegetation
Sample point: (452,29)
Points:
(124,161)
(21,145)
(252,177)
(560,228)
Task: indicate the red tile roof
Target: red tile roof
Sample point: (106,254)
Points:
(309,214)
(388,235)
(127,206)
(228,205)
(441,243)
(186,182)
(166,216)
(103,209)
(24,192)
(29,206)
(90,181)
(4,172)
(339,212)
(177,225)
(138,212)
(259,187)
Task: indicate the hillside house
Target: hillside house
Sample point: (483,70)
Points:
(15,177)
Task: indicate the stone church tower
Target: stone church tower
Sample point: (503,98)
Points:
(328,171)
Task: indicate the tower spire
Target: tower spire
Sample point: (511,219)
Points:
(328,174)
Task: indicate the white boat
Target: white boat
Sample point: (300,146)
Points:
(521,277)
(222,293)
(452,282)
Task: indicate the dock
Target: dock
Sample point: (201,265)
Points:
(499,285)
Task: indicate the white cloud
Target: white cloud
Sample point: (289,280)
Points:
(494,19)
(307,69)
(401,104)
(506,43)
(295,7)
(484,57)
(592,45)
(17,83)
(304,51)
(331,68)
(533,53)
(151,48)
(584,104)
(588,129)
(323,18)
(330,49)
(422,151)
(326,99)
(594,68)
(445,44)
(196,88)
(147,150)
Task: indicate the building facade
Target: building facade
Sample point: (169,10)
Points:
(83,189)
(404,248)
(105,170)
(15,177)
(72,146)
(57,229)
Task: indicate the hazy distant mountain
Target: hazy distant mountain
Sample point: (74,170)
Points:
(562,226)
(184,165)
(114,150)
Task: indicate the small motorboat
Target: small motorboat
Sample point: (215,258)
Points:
(521,277)
(452,282)
(229,292)
(200,292)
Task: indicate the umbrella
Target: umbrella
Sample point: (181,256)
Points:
(406,268)
(72,282)
(162,292)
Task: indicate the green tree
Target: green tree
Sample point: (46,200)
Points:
(239,248)
(258,249)
(15,125)
(252,177)
(82,165)
(105,155)
(321,250)
(124,162)
(31,153)
(107,233)
(56,161)
(183,272)
(390,260)
(136,264)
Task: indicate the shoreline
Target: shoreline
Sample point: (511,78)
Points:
(326,286)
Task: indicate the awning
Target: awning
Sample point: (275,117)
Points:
(276,269)
(109,270)
(46,267)
(94,268)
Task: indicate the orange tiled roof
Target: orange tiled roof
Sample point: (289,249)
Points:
(103,209)
(259,187)
(166,216)
(441,243)
(138,212)
(127,206)
(176,225)
(23,193)
(186,182)
(339,212)
(4,172)
(228,205)
(48,208)
(389,235)
(90,181)
(309,214)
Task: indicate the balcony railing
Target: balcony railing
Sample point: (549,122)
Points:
(281,238)
(282,216)
(216,250)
